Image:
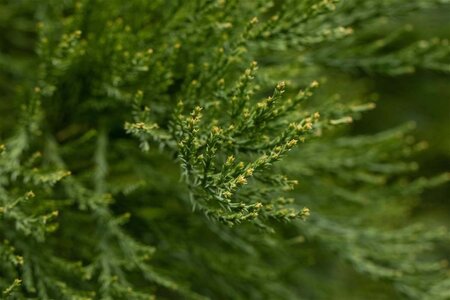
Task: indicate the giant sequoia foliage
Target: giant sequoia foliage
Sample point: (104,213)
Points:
(197,149)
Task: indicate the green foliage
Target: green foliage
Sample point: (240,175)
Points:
(198,150)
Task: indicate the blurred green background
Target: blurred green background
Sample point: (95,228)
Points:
(424,98)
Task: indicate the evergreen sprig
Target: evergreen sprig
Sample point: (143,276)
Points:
(198,149)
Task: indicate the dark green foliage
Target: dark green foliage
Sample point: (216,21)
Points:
(198,149)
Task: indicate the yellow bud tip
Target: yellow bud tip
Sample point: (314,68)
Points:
(314,84)
(241,179)
(281,85)
(19,260)
(254,20)
(308,126)
(305,212)
(230,160)
(216,130)
(292,143)
(227,194)
(262,104)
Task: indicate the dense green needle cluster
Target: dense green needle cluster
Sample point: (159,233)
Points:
(198,149)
